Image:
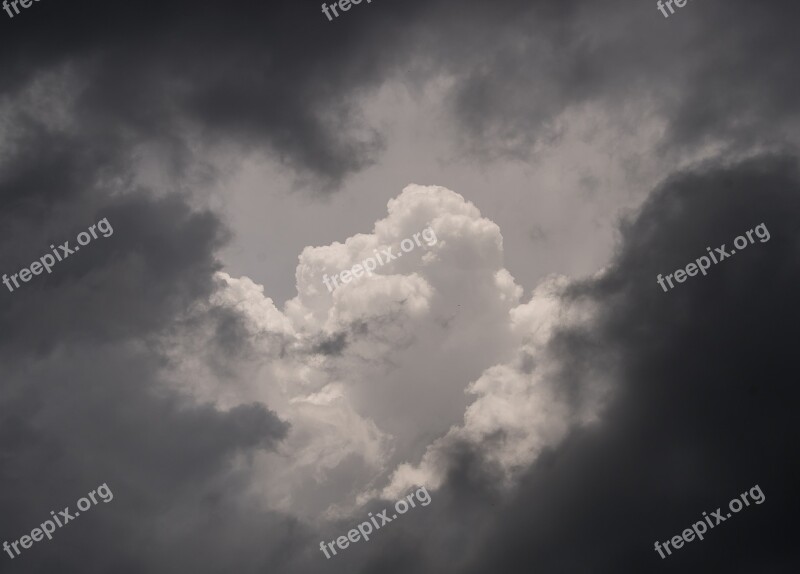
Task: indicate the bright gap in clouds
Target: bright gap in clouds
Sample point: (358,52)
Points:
(558,209)
(367,376)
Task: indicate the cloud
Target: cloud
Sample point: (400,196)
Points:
(563,431)
(515,94)
(577,412)
(194,77)
(388,408)
(195,80)
(387,368)
(519,411)
(694,409)
(699,411)
(86,395)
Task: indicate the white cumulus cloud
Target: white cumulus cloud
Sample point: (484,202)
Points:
(380,378)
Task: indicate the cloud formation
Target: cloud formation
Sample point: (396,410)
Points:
(561,430)
(509,92)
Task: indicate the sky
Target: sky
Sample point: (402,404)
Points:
(183,377)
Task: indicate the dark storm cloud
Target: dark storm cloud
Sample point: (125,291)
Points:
(715,70)
(702,409)
(83,400)
(69,426)
(43,167)
(703,404)
(261,74)
(159,257)
(283,77)
(739,73)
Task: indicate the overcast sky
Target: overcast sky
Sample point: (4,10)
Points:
(521,362)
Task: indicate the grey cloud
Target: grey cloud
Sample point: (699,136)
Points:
(84,400)
(704,405)
(145,272)
(701,410)
(332,346)
(523,64)
(241,75)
